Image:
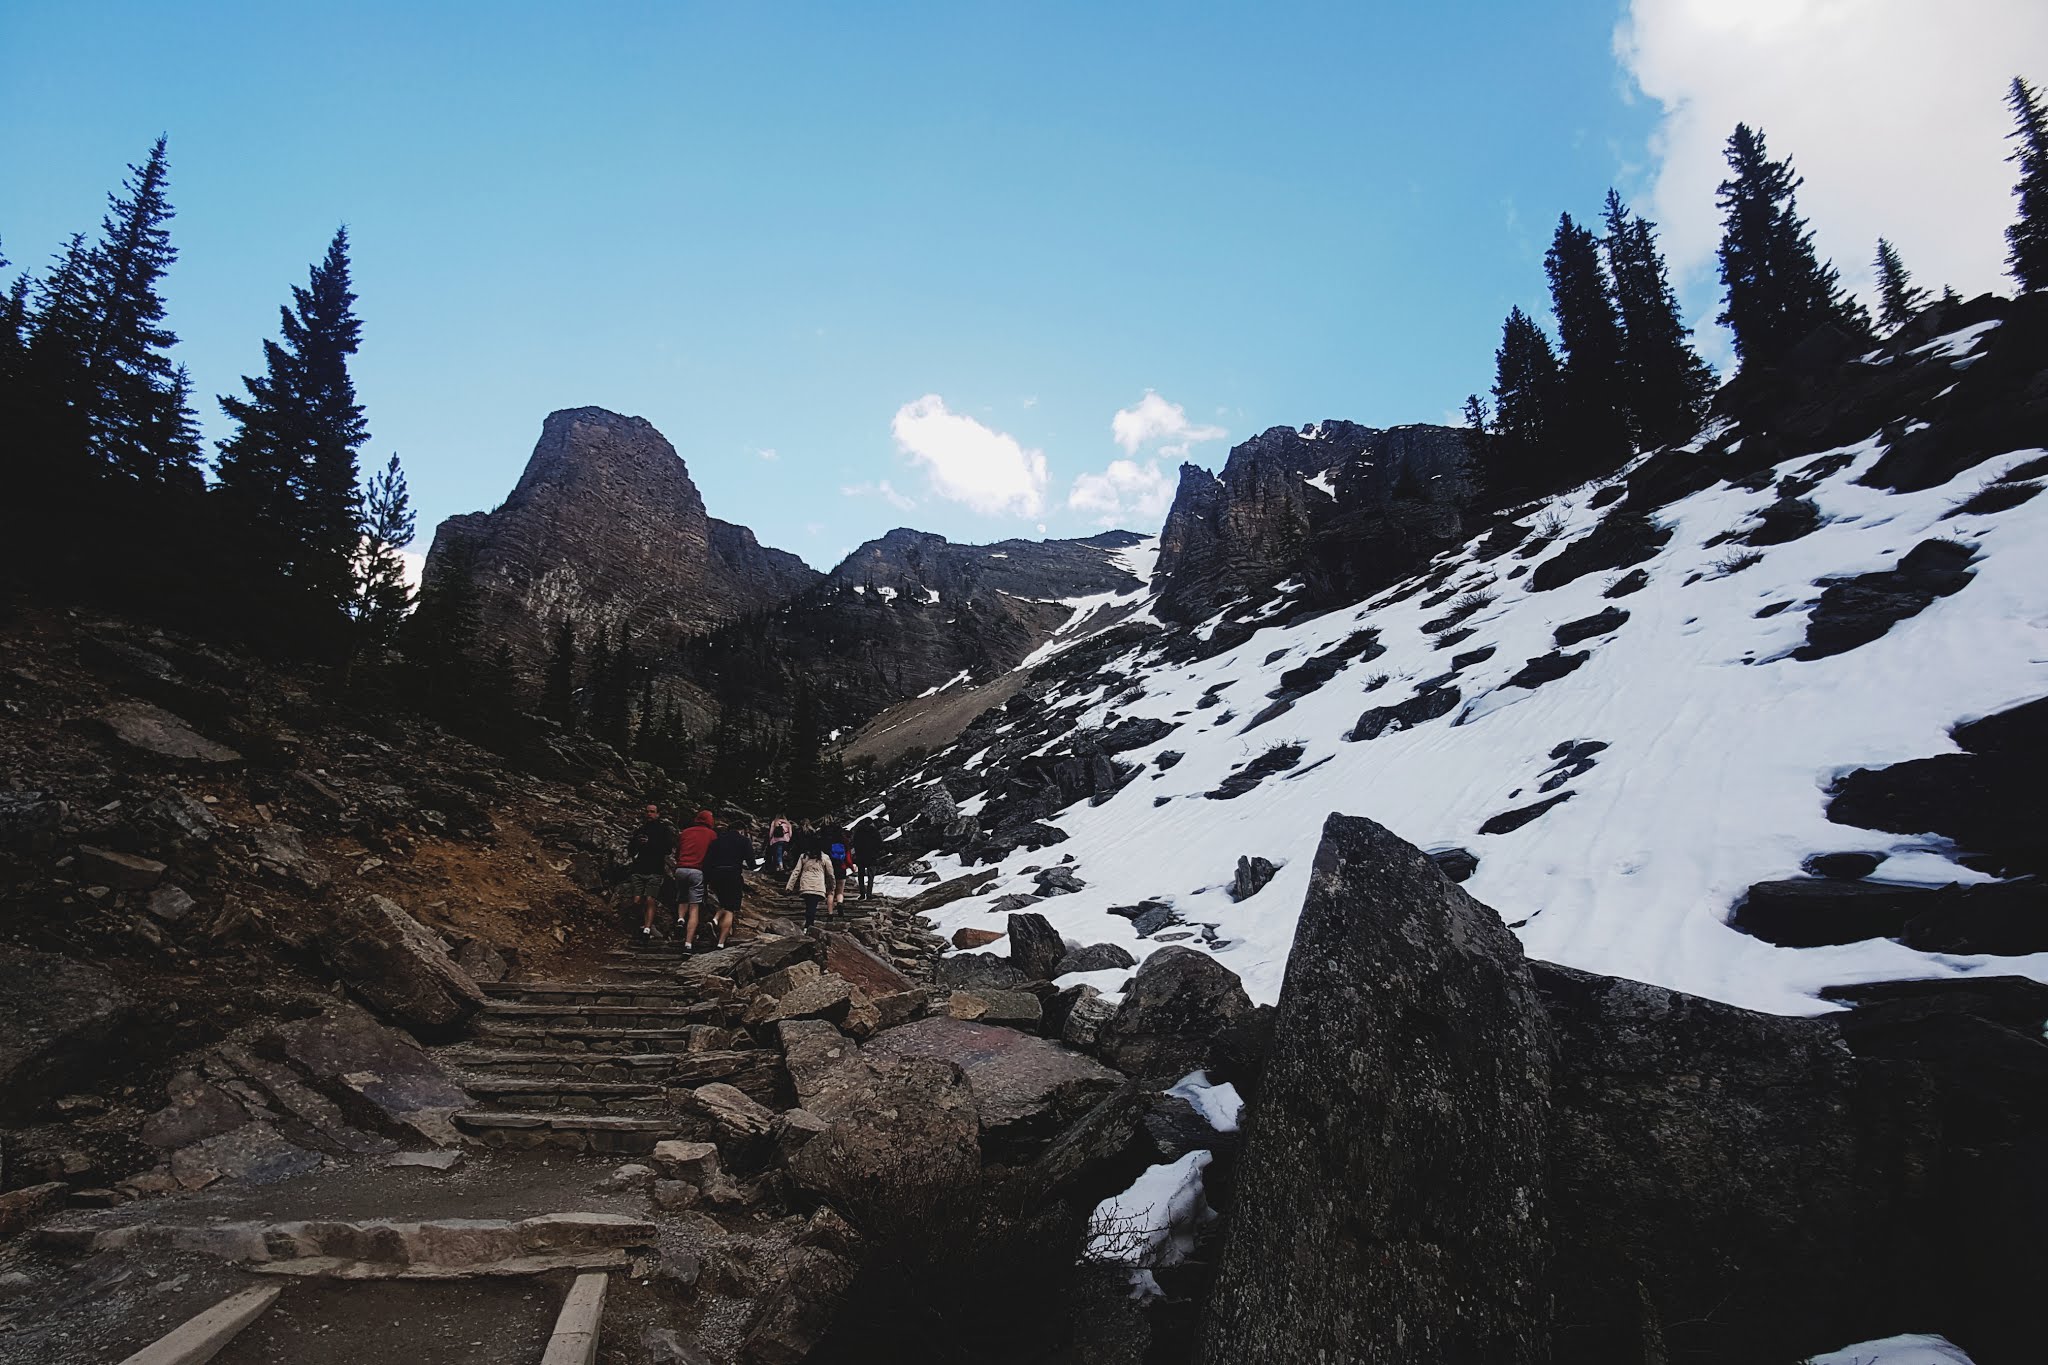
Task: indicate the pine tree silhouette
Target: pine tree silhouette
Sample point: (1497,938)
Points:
(1897,299)
(1591,433)
(382,597)
(1779,291)
(1666,383)
(1524,403)
(288,473)
(2026,241)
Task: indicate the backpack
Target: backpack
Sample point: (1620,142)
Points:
(839,853)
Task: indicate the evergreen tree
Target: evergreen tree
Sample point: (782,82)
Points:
(1897,299)
(1666,383)
(2026,241)
(382,597)
(558,686)
(1524,399)
(1592,434)
(289,471)
(15,321)
(804,777)
(140,420)
(1779,291)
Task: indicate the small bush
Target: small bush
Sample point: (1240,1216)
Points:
(1736,563)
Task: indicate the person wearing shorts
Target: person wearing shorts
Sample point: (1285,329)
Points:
(691,847)
(840,851)
(650,851)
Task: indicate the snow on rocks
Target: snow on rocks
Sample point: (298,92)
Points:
(1721,743)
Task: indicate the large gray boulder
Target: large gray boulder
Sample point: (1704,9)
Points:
(56,1020)
(1389,1204)
(399,967)
(1730,1186)
(378,1077)
(1179,1014)
(1035,946)
(1025,1088)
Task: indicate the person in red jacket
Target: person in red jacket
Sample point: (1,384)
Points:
(691,846)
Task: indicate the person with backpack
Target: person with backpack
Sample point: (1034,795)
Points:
(839,848)
(780,832)
(867,852)
(650,854)
(811,876)
(691,846)
(725,866)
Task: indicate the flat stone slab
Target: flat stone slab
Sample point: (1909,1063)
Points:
(153,730)
(1025,1088)
(454,1245)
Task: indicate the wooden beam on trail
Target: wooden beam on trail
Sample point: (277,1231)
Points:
(202,1337)
(575,1338)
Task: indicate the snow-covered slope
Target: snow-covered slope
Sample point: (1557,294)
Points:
(1718,746)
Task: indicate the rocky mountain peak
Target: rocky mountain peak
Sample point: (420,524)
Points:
(920,562)
(1287,490)
(606,530)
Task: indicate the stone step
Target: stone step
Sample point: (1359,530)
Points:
(608,1133)
(568,1094)
(526,1037)
(598,1016)
(448,1244)
(673,1068)
(654,994)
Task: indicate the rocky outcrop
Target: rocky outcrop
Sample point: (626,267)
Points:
(919,563)
(1457,1155)
(1339,506)
(1389,1205)
(399,967)
(606,530)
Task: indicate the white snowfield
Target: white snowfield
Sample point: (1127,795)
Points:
(1720,748)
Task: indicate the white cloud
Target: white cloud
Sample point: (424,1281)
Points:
(883,490)
(1153,420)
(1892,110)
(415,568)
(1126,491)
(970,463)
(768,453)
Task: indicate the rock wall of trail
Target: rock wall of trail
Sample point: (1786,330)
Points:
(605,530)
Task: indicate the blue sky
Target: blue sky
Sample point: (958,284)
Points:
(925,255)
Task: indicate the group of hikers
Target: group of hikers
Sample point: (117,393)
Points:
(673,870)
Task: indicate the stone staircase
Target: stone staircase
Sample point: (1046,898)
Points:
(605,1066)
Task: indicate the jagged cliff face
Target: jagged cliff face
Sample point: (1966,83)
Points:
(1336,504)
(605,530)
(921,563)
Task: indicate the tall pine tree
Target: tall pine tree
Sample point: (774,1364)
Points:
(288,473)
(137,420)
(2026,241)
(1779,291)
(1591,433)
(1665,382)
(1897,299)
(1525,388)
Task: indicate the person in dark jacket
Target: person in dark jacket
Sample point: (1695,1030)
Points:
(867,852)
(725,865)
(650,854)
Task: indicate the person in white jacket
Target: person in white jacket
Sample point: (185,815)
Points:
(812,877)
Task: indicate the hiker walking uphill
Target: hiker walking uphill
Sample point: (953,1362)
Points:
(651,854)
(867,852)
(691,846)
(839,848)
(811,876)
(780,832)
(725,865)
